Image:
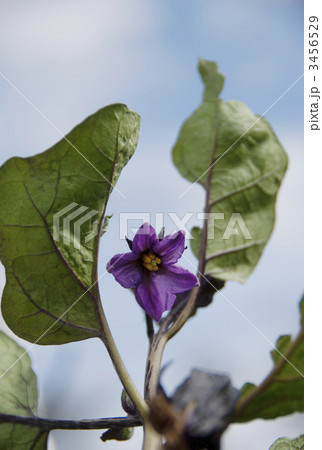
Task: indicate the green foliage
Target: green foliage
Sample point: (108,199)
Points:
(51,294)
(45,277)
(117,434)
(18,396)
(288,444)
(236,156)
(282,392)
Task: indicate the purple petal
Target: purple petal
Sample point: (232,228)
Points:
(177,279)
(126,269)
(144,239)
(170,249)
(154,296)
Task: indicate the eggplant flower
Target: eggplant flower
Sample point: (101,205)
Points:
(150,270)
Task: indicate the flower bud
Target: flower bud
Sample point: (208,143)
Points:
(127,404)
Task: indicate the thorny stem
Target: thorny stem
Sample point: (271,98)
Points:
(271,377)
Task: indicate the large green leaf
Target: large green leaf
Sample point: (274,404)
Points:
(18,397)
(51,269)
(282,392)
(237,158)
(288,444)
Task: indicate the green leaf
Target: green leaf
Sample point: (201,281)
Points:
(18,396)
(288,444)
(51,293)
(282,391)
(117,434)
(237,158)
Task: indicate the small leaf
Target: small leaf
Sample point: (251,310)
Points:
(209,286)
(18,396)
(282,392)
(288,444)
(51,263)
(237,158)
(117,434)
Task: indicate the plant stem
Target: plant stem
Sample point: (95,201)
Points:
(207,209)
(152,439)
(90,424)
(121,370)
(189,307)
(153,366)
(184,315)
(170,328)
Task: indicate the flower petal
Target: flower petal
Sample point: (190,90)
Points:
(144,239)
(154,296)
(171,247)
(176,278)
(126,269)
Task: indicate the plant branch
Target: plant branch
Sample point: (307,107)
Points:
(175,320)
(121,370)
(190,305)
(244,402)
(152,439)
(204,237)
(153,366)
(91,424)
(184,315)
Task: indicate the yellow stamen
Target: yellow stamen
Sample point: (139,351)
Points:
(150,261)
(145,258)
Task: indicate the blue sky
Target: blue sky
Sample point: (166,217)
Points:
(71,58)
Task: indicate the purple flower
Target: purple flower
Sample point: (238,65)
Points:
(150,270)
